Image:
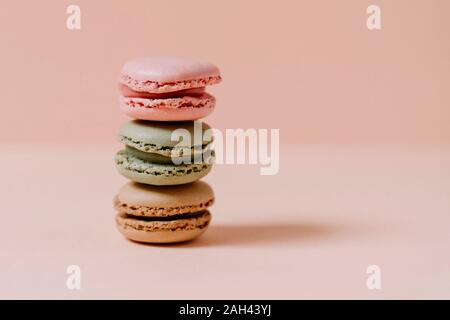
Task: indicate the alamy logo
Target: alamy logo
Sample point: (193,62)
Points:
(73,21)
(236,146)
(73,281)
(374,19)
(373,281)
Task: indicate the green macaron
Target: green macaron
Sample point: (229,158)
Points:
(153,152)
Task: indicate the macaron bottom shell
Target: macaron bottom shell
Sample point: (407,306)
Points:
(144,200)
(173,230)
(183,108)
(146,172)
(166,114)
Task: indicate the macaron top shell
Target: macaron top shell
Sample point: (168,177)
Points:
(168,69)
(148,135)
(146,200)
(167,74)
(136,194)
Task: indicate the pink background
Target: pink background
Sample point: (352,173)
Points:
(310,68)
(365,149)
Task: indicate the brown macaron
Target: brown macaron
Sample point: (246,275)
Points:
(163,214)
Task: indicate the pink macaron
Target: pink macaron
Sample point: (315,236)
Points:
(167,89)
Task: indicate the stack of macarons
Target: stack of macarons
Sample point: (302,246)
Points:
(164,202)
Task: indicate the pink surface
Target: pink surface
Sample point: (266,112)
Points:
(309,232)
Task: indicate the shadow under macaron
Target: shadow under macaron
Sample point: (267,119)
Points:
(267,235)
